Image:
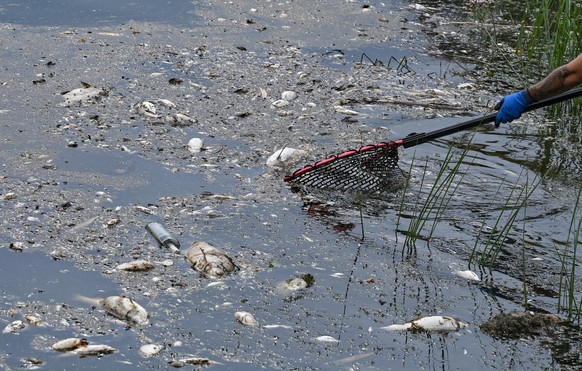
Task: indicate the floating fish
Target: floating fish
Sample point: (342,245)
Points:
(196,361)
(121,307)
(288,95)
(33,320)
(69,344)
(149,350)
(469,275)
(432,323)
(94,350)
(280,103)
(295,284)
(135,266)
(326,339)
(345,111)
(83,95)
(146,108)
(246,318)
(209,260)
(179,119)
(275,326)
(285,156)
(126,309)
(167,103)
(14,327)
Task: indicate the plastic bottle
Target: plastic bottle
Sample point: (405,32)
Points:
(163,237)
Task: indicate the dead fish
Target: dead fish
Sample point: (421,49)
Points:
(94,350)
(345,111)
(209,260)
(432,323)
(274,326)
(288,95)
(139,265)
(83,95)
(68,344)
(14,327)
(280,103)
(146,108)
(167,103)
(8,196)
(326,339)
(196,361)
(33,320)
(285,156)
(126,309)
(292,284)
(121,307)
(469,275)
(149,350)
(246,318)
(177,119)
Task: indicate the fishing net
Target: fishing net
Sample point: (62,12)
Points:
(372,170)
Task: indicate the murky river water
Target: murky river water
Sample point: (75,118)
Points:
(79,182)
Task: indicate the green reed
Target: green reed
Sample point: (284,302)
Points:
(566,290)
(440,194)
(515,203)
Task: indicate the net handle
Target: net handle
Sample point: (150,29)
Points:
(415,139)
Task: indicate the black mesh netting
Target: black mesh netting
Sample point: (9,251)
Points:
(372,170)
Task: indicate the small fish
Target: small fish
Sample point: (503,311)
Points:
(431,324)
(68,344)
(121,307)
(135,266)
(83,95)
(326,339)
(146,108)
(246,318)
(345,111)
(280,103)
(292,284)
(285,156)
(149,350)
(288,95)
(286,327)
(167,103)
(126,309)
(14,327)
(33,320)
(469,275)
(94,350)
(196,361)
(209,260)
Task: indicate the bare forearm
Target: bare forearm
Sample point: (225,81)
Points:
(559,80)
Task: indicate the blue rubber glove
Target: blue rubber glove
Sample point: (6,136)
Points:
(512,106)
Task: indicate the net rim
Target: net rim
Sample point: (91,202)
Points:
(349,153)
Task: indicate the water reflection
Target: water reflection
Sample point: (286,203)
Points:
(86,13)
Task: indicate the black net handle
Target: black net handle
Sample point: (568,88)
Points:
(415,139)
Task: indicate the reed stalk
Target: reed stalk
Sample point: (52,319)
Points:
(439,196)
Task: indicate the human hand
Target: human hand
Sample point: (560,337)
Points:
(512,106)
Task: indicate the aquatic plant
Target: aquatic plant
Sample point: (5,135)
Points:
(566,290)
(549,35)
(511,209)
(440,194)
(555,35)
